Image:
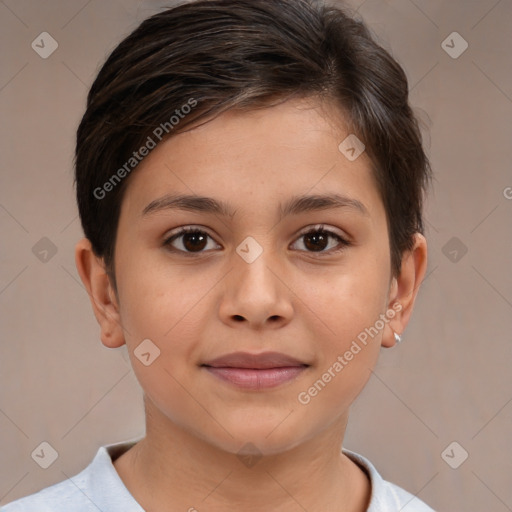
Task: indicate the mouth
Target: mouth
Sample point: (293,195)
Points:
(255,371)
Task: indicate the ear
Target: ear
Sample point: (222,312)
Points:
(404,289)
(101,292)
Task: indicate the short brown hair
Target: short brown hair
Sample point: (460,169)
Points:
(225,54)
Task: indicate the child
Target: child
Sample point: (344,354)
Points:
(250,180)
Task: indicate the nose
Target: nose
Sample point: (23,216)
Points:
(256,295)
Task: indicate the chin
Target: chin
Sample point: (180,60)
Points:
(259,438)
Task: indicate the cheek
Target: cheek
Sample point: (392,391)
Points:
(157,298)
(167,305)
(348,346)
(344,308)
(167,310)
(346,302)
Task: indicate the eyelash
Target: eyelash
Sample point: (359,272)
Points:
(343,243)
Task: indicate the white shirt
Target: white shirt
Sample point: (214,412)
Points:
(98,488)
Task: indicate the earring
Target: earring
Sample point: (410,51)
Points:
(398,338)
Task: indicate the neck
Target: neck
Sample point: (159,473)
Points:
(171,469)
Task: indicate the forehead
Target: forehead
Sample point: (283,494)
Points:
(256,157)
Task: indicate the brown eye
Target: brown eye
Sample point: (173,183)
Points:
(321,240)
(188,240)
(316,241)
(194,241)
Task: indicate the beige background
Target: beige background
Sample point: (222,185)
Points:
(449,381)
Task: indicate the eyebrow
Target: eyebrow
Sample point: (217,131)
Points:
(294,206)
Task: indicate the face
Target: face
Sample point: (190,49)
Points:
(259,271)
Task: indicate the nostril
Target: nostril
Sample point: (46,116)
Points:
(239,318)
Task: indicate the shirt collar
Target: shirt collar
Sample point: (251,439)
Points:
(103,477)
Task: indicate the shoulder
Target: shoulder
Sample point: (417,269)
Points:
(406,501)
(386,496)
(97,487)
(63,496)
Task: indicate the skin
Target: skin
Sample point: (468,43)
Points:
(309,304)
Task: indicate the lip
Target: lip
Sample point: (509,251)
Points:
(255,371)
(261,361)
